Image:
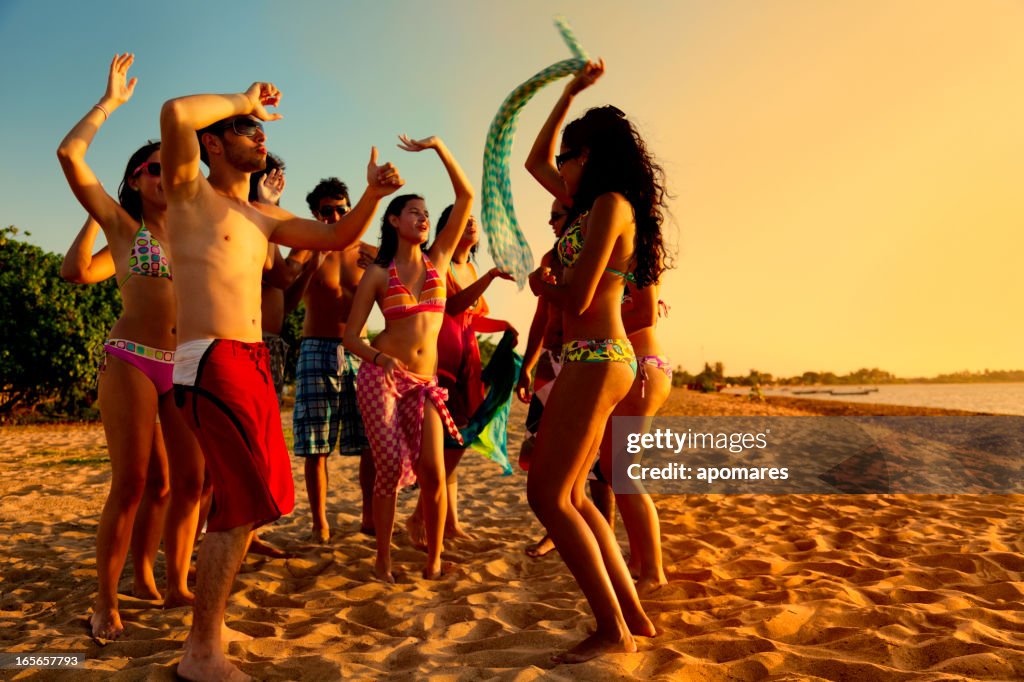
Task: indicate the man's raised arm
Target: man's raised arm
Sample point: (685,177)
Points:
(181,117)
(309,234)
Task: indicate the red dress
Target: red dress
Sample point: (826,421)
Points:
(458,354)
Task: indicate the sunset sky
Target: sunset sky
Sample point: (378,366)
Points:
(847,176)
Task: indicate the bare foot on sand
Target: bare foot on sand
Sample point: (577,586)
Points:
(258,546)
(645,586)
(545,545)
(596,645)
(146,589)
(319,536)
(106,624)
(213,667)
(382,570)
(174,599)
(639,624)
(438,570)
(457,533)
(417,532)
(226,635)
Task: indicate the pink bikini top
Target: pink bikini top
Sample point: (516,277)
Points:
(399,301)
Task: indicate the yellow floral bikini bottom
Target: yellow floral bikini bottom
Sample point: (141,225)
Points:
(600,350)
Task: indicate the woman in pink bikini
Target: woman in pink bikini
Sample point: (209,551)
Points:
(82,266)
(402,406)
(135,380)
(459,368)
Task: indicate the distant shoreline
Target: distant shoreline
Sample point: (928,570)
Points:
(683,402)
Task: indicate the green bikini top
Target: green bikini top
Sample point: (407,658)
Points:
(570,245)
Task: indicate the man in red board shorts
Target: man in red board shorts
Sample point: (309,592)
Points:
(218,242)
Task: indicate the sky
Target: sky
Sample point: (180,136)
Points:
(845,176)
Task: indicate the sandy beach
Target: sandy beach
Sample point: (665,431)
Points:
(761,587)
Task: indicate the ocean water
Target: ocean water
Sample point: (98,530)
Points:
(990,398)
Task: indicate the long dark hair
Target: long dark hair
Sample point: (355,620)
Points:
(442,222)
(618,161)
(389,235)
(129,197)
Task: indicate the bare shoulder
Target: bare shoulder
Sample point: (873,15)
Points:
(613,204)
(611,215)
(271,210)
(203,192)
(375,274)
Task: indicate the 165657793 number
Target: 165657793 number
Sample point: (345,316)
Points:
(42,660)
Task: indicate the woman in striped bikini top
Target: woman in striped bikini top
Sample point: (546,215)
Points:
(397,380)
(398,301)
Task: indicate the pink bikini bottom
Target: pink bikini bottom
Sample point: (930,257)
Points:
(157,364)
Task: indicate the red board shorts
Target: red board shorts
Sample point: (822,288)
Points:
(225,390)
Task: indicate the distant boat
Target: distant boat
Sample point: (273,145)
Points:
(866,391)
(808,392)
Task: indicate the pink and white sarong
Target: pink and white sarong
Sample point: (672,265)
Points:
(393,419)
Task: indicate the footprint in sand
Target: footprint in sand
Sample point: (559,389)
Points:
(305,568)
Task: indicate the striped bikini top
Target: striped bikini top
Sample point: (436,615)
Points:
(399,301)
(147,257)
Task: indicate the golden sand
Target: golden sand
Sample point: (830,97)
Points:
(794,587)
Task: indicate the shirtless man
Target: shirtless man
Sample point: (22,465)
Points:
(325,401)
(222,376)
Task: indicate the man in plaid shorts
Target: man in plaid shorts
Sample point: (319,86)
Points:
(325,398)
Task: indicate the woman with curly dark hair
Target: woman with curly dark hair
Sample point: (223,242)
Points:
(613,189)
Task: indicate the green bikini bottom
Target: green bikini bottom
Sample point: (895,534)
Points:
(600,350)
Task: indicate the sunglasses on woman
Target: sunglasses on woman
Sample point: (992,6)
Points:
(151,167)
(563,159)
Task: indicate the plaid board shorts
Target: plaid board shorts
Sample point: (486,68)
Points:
(325,400)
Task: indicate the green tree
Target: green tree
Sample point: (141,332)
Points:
(291,332)
(680,377)
(53,330)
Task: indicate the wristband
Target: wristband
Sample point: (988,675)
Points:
(104,111)
(377,356)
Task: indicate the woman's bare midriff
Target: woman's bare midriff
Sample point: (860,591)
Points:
(602,319)
(148,314)
(413,340)
(645,342)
